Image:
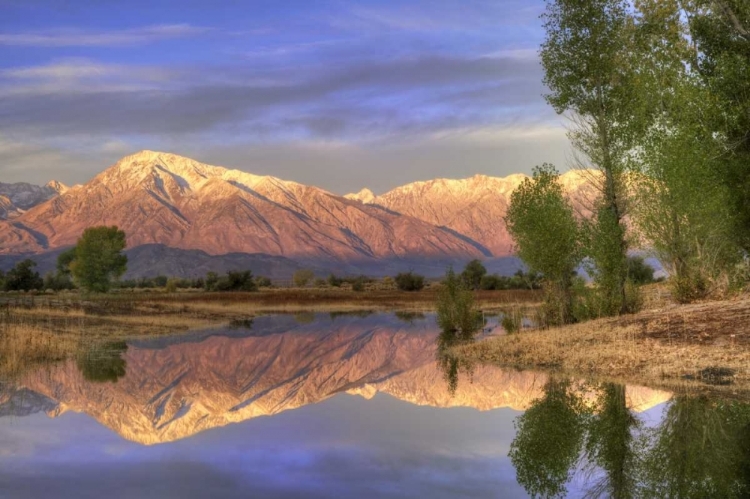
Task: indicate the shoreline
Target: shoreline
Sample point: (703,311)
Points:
(702,345)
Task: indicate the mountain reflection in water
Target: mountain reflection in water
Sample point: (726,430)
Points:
(359,407)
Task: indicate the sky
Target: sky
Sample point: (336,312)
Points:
(338,94)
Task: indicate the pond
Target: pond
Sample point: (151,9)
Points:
(330,405)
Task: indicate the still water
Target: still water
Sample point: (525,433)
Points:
(319,405)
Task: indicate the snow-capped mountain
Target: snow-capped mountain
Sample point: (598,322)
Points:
(19,197)
(160,198)
(473,207)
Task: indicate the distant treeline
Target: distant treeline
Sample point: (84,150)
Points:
(24,277)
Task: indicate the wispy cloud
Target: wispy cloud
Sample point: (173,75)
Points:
(81,38)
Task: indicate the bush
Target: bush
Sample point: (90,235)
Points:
(409,281)
(57,282)
(334,281)
(320,283)
(457,315)
(303,277)
(639,272)
(232,281)
(358,283)
(263,282)
(171,286)
(512,320)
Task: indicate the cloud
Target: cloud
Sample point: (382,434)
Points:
(373,99)
(81,38)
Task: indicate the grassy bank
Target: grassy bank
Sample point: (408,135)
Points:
(230,305)
(703,343)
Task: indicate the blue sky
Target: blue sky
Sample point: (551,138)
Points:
(340,94)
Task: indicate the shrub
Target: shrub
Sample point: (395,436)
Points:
(639,272)
(263,282)
(512,320)
(303,277)
(334,281)
(457,315)
(409,281)
(23,277)
(358,283)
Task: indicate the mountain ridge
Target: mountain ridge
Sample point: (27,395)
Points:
(161,198)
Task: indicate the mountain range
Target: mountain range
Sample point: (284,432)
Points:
(166,201)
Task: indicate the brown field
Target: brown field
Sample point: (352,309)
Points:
(704,343)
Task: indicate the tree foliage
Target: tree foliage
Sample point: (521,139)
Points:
(409,281)
(546,233)
(98,258)
(23,277)
(549,439)
(473,273)
(587,58)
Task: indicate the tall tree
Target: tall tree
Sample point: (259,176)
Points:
(99,258)
(546,233)
(587,56)
(683,208)
(720,31)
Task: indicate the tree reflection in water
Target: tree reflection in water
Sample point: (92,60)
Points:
(700,449)
(549,439)
(103,362)
(449,363)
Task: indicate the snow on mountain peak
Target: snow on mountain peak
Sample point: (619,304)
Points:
(364,196)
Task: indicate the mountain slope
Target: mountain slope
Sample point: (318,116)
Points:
(19,197)
(159,198)
(472,207)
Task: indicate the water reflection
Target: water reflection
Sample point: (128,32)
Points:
(699,449)
(549,439)
(369,389)
(448,362)
(102,363)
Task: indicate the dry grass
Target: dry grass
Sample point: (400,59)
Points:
(333,299)
(665,347)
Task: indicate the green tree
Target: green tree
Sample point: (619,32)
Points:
(99,259)
(409,281)
(720,32)
(473,274)
(303,277)
(546,234)
(64,260)
(549,439)
(587,59)
(683,208)
(23,277)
